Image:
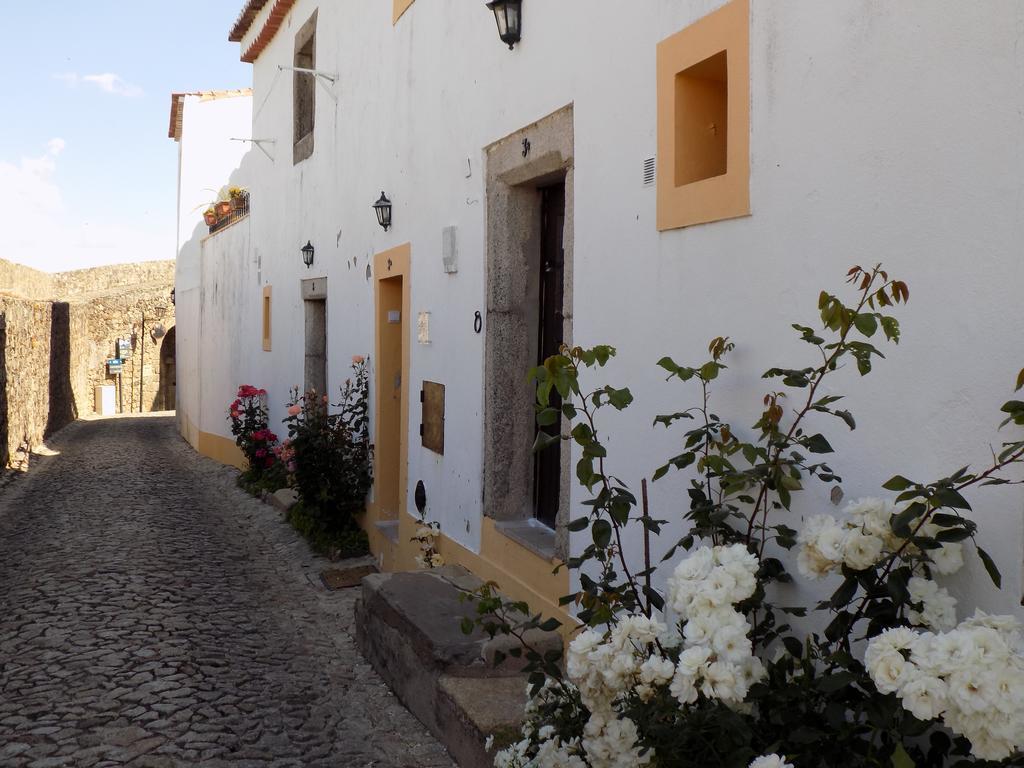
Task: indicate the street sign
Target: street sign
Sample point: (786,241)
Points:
(114,366)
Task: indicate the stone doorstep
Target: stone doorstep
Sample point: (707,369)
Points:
(407,627)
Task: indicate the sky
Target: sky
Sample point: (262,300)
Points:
(88,175)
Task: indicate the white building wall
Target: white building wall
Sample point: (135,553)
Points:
(207,161)
(879,132)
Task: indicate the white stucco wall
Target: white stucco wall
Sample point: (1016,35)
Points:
(879,132)
(207,160)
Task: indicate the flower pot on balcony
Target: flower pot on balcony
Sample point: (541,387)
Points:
(223,209)
(210,217)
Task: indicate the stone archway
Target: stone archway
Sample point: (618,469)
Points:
(166,399)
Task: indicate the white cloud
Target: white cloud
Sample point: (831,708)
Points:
(107,82)
(37,229)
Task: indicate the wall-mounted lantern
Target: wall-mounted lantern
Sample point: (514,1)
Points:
(307,254)
(509,15)
(383,210)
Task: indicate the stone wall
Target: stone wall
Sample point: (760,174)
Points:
(58,331)
(99,280)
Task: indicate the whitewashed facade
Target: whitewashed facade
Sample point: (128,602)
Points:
(877,132)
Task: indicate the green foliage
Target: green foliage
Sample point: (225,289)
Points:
(817,705)
(331,453)
(248,417)
(328,540)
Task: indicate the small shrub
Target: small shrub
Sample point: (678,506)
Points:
(248,415)
(329,454)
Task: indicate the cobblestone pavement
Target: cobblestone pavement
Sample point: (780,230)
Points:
(153,615)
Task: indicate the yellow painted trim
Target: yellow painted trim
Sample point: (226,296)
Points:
(720,197)
(399,7)
(520,573)
(221,449)
(389,264)
(268,315)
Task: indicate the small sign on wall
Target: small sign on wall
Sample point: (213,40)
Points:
(114,366)
(124,348)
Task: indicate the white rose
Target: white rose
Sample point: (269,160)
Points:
(694,661)
(770,761)
(949,559)
(722,681)
(924,697)
(731,644)
(861,550)
(737,555)
(888,669)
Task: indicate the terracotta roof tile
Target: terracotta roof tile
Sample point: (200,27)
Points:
(278,11)
(245,19)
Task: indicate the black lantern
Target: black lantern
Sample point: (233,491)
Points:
(509,15)
(307,254)
(383,209)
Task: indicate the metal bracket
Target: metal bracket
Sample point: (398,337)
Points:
(320,76)
(258,143)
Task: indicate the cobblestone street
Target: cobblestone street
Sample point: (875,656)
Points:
(152,614)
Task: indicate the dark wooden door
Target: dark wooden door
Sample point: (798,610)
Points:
(547,465)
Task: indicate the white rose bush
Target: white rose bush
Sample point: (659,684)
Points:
(707,672)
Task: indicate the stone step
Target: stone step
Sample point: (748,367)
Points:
(408,628)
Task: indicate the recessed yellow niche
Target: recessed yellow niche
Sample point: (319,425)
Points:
(704,120)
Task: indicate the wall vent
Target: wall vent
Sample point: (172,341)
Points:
(649,172)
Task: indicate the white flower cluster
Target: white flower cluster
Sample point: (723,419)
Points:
(608,741)
(972,677)
(862,540)
(938,607)
(717,658)
(770,761)
(605,669)
(426,536)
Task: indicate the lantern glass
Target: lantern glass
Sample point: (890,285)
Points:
(508,14)
(307,253)
(383,210)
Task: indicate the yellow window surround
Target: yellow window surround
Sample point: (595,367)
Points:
(704,120)
(267,329)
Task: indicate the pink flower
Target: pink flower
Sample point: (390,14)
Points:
(358,359)
(261,453)
(294,410)
(325,399)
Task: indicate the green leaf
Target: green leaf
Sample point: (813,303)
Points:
(835,681)
(817,444)
(709,371)
(550,625)
(990,567)
(547,417)
(897,483)
(1020,380)
(844,594)
(900,758)
(579,524)
(867,324)
(601,531)
(949,497)
(848,418)
(953,535)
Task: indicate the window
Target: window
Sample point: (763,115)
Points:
(304,91)
(704,120)
(266,318)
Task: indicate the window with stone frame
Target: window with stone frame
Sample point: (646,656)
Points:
(304,91)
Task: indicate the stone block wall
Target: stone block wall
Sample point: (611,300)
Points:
(56,334)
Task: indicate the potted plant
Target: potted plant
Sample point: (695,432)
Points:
(223,208)
(210,216)
(238,197)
